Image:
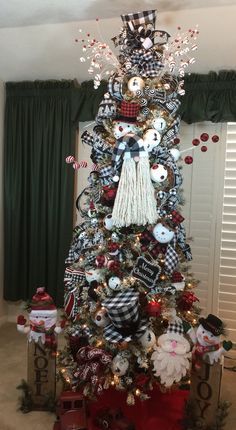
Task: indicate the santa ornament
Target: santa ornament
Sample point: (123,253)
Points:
(171,356)
(135,201)
(42,325)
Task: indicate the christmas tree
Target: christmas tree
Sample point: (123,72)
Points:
(129,294)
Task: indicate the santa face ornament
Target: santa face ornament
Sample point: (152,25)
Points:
(158,173)
(43,319)
(162,233)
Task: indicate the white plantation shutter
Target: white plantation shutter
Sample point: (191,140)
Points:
(227,267)
(202,190)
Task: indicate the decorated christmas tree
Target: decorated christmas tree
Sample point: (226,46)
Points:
(129,292)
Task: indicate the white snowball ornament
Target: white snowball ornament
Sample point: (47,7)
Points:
(121,128)
(114,283)
(151,139)
(108,222)
(158,173)
(93,275)
(101,318)
(119,365)
(136,84)
(148,339)
(162,233)
(175,153)
(159,124)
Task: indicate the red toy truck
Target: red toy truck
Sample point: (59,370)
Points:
(71,412)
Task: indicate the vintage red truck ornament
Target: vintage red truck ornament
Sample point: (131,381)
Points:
(71,412)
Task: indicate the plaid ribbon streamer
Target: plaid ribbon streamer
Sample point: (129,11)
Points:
(172,132)
(90,259)
(175,327)
(171,259)
(128,147)
(139,18)
(106,173)
(177,218)
(149,65)
(73,276)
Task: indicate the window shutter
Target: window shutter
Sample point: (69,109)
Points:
(227,267)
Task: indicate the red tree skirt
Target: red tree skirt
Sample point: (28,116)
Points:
(160,412)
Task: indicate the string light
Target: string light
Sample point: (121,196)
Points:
(137,392)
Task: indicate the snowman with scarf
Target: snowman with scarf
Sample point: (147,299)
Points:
(208,346)
(42,325)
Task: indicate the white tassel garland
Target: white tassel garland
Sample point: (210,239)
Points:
(135,201)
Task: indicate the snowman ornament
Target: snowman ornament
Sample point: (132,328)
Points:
(114,283)
(162,233)
(158,173)
(42,325)
(120,365)
(208,346)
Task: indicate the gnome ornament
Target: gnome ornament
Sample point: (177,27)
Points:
(208,346)
(135,201)
(42,320)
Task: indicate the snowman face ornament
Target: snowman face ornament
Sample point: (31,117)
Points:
(93,275)
(205,337)
(119,365)
(121,128)
(114,283)
(148,339)
(108,222)
(151,139)
(162,233)
(158,173)
(136,84)
(159,124)
(101,318)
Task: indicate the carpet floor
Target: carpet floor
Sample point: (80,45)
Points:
(13,356)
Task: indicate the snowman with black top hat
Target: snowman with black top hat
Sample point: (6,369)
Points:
(208,346)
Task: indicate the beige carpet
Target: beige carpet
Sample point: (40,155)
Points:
(13,370)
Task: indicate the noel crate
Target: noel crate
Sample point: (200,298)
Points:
(41,374)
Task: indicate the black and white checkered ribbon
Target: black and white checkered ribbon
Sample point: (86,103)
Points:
(171,259)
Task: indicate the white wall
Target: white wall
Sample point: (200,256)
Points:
(3,307)
(50,52)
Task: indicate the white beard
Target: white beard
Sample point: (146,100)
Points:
(171,364)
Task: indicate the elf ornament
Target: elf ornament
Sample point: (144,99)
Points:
(135,201)
(208,346)
(42,320)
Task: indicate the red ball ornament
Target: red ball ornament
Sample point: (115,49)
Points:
(195,142)
(153,309)
(188,159)
(215,138)
(176,141)
(204,137)
(112,247)
(100,260)
(204,148)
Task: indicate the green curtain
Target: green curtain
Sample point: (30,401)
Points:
(208,97)
(38,186)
